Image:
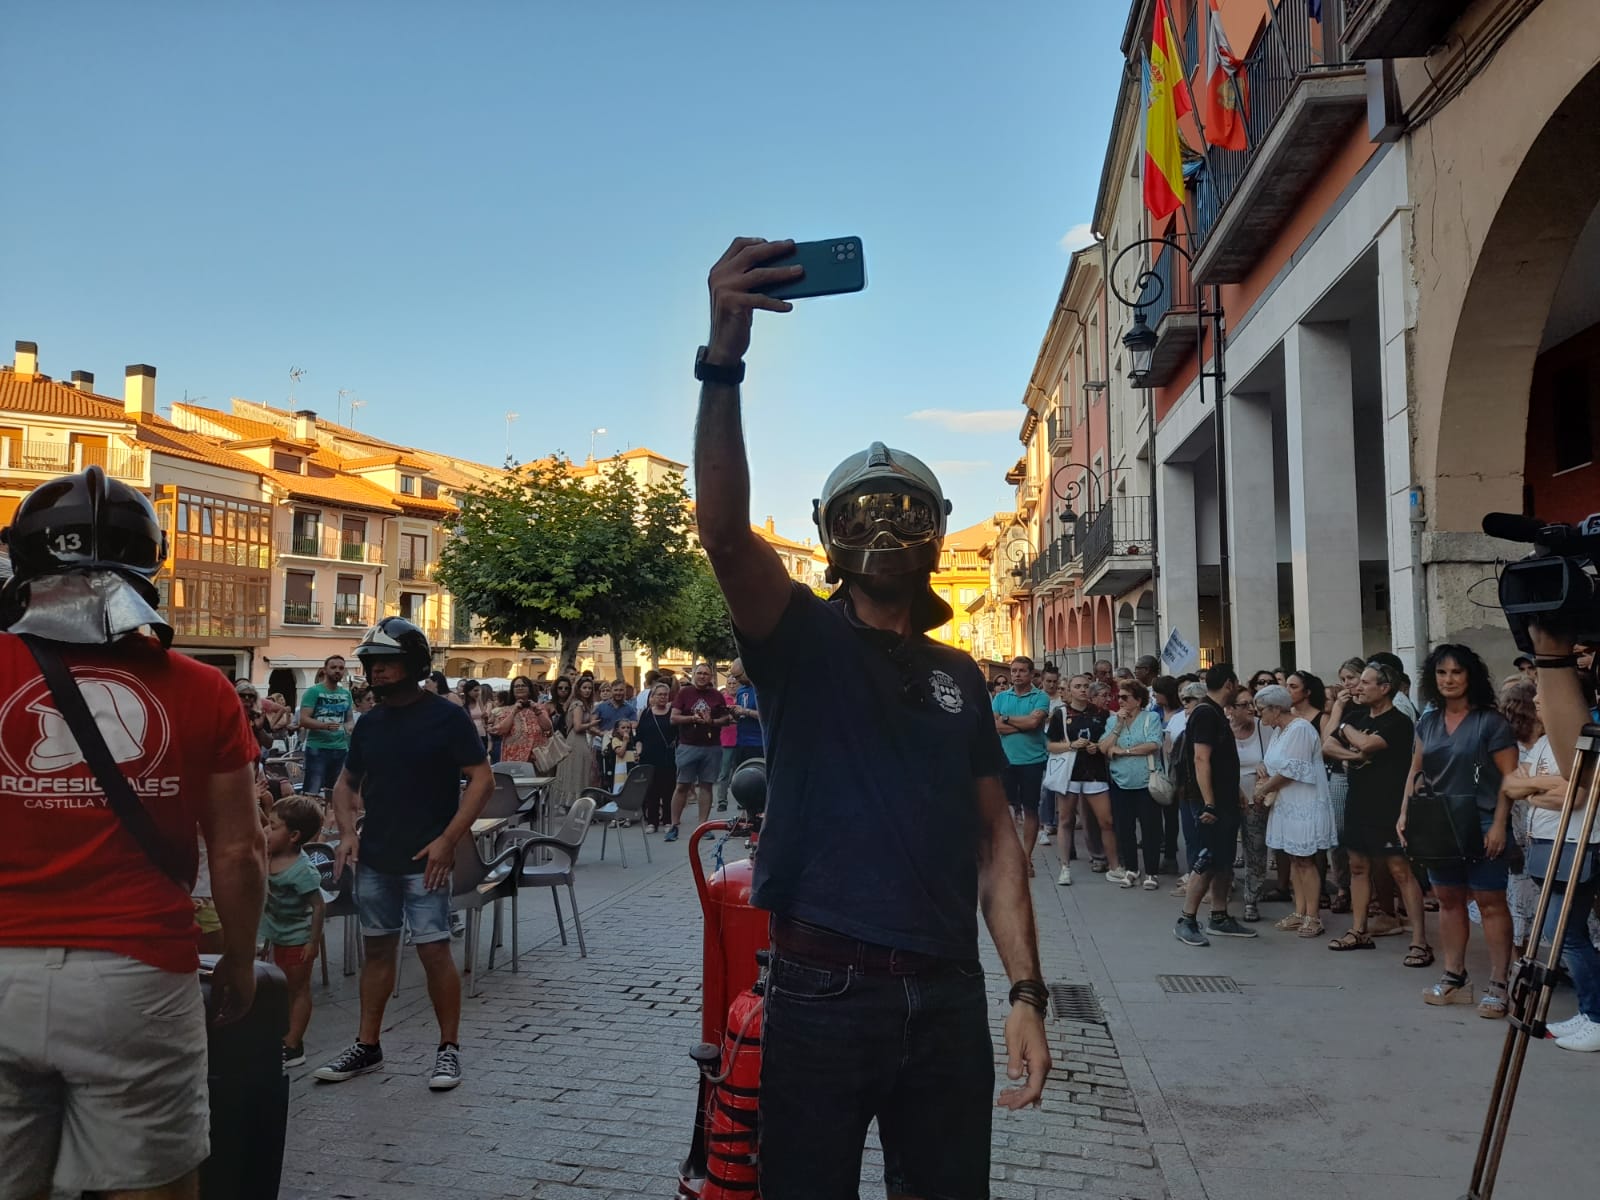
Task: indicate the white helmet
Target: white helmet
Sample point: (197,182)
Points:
(882,512)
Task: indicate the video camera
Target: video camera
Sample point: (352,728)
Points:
(1556,586)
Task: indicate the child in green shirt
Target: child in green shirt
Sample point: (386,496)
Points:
(291,922)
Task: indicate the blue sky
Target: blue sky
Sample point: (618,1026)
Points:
(455,211)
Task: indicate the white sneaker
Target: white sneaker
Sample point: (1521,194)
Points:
(1150,883)
(1119,876)
(1065,878)
(1130,878)
(1561,1029)
(1044,837)
(1586,1039)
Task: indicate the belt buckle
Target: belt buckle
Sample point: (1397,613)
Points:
(904,962)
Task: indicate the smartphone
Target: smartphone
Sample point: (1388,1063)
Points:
(833,267)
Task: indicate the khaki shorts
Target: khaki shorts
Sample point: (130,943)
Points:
(102,1073)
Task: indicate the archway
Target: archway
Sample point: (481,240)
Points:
(1126,650)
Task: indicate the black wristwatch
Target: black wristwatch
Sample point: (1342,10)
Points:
(710,372)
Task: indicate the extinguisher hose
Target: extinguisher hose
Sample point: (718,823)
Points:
(743,1029)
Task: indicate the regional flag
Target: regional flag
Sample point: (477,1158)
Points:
(1225,103)
(1169,100)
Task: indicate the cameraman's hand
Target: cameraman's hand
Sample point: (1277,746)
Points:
(1549,641)
(734,283)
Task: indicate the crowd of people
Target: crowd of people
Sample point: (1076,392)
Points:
(1301,791)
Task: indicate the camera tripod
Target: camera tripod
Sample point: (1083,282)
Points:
(1533,978)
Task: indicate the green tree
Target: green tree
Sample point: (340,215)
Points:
(542,552)
(696,620)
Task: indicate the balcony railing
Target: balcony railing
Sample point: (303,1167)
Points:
(1028,495)
(330,545)
(1121,529)
(1059,433)
(302,614)
(1297,81)
(59,458)
(415,572)
(1171,313)
(353,612)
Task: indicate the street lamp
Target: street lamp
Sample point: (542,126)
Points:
(594,433)
(1017,553)
(1069,491)
(1140,342)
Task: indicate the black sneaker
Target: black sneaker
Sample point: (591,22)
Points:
(1222,925)
(294,1056)
(1187,931)
(446,1069)
(357,1060)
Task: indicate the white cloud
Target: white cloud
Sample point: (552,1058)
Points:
(982,420)
(960,466)
(1077,238)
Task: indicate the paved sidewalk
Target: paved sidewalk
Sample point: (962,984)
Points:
(1324,1076)
(579,1085)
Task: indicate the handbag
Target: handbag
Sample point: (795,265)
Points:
(119,793)
(1541,851)
(1443,826)
(1058,771)
(1166,776)
(550,755)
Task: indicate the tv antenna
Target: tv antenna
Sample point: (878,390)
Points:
(338,405)
(510,419)
(355,404)
(296,374)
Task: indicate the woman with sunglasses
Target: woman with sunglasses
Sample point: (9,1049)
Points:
(1300,824)
(1132,738)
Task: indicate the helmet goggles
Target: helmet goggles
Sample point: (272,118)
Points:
(882,518)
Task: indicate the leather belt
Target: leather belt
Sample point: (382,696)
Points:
(808,943)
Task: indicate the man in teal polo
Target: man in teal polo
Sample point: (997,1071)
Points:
(1020,713)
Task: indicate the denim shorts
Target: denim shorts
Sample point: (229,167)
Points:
(1481,874)
(322,769)
(698,764)
(841,1047)
(385,903)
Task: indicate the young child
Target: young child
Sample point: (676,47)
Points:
(291,923)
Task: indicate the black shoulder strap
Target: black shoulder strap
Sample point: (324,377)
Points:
(118,791)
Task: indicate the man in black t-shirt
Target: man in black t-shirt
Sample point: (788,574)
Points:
(886,822)
(403,772)
(1211,757)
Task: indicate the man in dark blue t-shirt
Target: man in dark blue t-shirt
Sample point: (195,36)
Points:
(747,743)
(403,774)
(886,822)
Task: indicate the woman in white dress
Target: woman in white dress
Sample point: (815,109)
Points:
(1300,823)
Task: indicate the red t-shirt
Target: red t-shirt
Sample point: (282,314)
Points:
(70,872)
(691,700)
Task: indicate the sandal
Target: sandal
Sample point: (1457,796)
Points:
(1341,902)
(1289,924)
(1418,956)
(1312,928)
(1451,989)
(1492,1004)
(1430,904)
(1353,939)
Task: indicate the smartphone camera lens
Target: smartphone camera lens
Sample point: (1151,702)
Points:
(849,245)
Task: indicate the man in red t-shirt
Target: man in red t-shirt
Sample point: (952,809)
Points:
(698,713)
(97,943)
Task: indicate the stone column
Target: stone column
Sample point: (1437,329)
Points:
(1252,531)
(1180,559)
(1324,546)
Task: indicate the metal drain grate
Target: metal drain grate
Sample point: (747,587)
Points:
(1076,1002)
(1197,985)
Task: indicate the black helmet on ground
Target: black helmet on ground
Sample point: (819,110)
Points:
(86,522)
(391,638)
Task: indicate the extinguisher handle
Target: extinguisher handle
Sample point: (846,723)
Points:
(696,865)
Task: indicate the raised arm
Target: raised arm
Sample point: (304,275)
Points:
(753,580)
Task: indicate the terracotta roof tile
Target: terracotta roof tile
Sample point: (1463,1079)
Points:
(50,398)
(973,537)
(335,489)
(423,505)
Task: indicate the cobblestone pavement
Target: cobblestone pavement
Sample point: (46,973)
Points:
(579,1085)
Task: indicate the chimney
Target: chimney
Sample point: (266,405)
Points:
(27,358)
(772,527)
(305,426)
(83,380)
(139,391)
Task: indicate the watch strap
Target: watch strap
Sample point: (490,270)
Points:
(729,375)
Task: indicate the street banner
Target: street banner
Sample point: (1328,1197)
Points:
(1178,656)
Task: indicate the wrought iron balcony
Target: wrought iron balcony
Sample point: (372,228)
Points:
(1116,546)
(353,612)
(1397,28)
(302,613)
(1302,102)
(330,545)
(1171,313)
(415,572)
(1060,435)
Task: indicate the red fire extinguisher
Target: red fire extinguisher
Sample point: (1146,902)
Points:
(722,1158)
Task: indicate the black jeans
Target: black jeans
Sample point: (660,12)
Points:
(905,1040)
(1133,808)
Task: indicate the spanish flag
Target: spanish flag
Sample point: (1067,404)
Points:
(1169,100)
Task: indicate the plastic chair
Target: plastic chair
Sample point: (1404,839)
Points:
(504,801)
(339,900)
(476,883)
(566,842)
(626,805)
